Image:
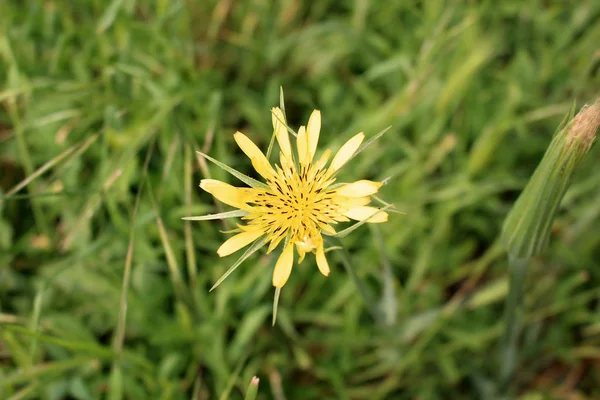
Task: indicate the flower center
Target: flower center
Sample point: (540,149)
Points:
(296,203)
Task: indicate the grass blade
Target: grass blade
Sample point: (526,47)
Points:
(120,331)
(46,167)
(189,243)
(171,261)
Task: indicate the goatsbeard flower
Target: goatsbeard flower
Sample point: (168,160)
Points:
(299,202)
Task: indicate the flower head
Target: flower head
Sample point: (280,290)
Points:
(527,228)
(299,202)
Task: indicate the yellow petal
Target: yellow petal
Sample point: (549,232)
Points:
(274,243)
(286,162)
(283,267)
(281,132)
(326,228)
(341,218)
(313,129)
(259,161)
(346,151)
(225,193)
(302,145)
(276,238)
(359,188)
(322,260)
(363,212)
(305,246)
(301,254)
(238,241)
(322,160)
(263,167)
(352,202)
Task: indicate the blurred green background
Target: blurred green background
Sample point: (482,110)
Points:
(473,90)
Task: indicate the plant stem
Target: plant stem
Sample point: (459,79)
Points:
(513,313)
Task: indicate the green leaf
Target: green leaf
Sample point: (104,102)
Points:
(369,142)
(281,101)
(223,215)
(290,130)
(276,304)
(242,177)
(282,107)
(390,205)
(251,250)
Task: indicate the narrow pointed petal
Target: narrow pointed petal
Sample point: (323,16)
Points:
(302,145)
(238,241)
(259,161)
(359,188)
(346,151)
(225,193)
(301,254)
(305,246)
(341,218)
(322,160)
(313,129)
(263,167)
(285,161)
(327,228)
(281,132)
(273,244)
(352,202)
(361,213)
(283,267)
(322,260)
(276,239)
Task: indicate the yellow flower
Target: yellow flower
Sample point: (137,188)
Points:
(299,202)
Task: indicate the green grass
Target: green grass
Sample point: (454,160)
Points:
(107,102)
